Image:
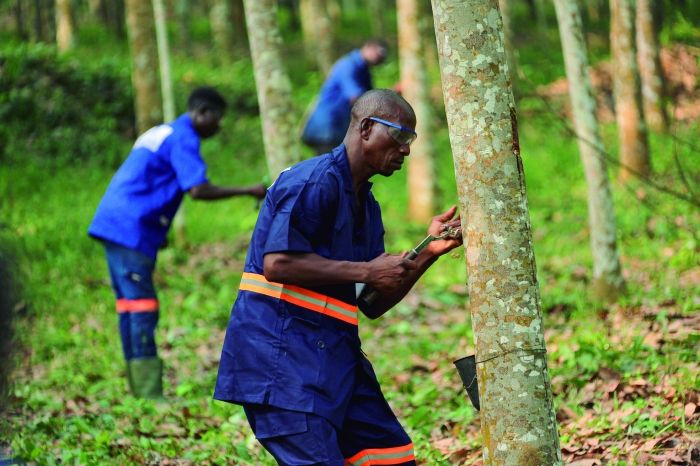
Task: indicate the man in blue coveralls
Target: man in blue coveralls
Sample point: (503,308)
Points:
(134,216)
(292,354)
(348,79)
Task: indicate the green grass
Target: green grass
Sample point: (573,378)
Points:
(70,404)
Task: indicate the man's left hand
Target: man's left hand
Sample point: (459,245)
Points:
(438,225)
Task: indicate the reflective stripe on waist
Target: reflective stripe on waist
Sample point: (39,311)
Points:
(299,296)
(137,305)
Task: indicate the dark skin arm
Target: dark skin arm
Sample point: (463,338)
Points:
(211,192)
(391,275)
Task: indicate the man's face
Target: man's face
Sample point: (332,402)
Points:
(207,121)
(376,54)
(384,154)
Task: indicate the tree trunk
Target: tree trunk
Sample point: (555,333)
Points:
(221,30)
(517,417)
(634,150)
(238,20)
(504,6)
(64,25)
(376,16)
(318,33)
(650,67)
(607,278)
(19,19)
(414,87)
(144,57)
(279,120)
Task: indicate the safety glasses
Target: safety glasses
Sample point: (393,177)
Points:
(400,134)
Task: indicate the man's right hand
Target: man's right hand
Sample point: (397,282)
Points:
(388,272)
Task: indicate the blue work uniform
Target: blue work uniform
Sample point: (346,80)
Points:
(348,79)
(291,355)
(134,216)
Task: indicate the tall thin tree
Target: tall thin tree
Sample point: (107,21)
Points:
(144,59)
(517,417)
(414,87)
(64,25)
(317,33)
(221,28)
(650,66)
(634,149)
(607,278)
(508,43)
(273,85)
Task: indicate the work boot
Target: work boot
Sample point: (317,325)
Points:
(145,377)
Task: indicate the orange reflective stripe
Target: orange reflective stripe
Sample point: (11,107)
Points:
(137,305)
(382,456)
(299,296)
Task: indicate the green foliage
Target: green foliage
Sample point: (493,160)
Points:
(55,108)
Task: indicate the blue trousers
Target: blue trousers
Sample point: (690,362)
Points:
(370,433)
(131,273)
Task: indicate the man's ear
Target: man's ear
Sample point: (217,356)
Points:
(365,128)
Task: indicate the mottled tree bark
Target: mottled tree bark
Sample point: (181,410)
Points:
(504,6)
(317,33)
(517,417)
(650,67)
(414,87)
(144,58)
(279,120)
(634,150)
(64,25)
(607,280)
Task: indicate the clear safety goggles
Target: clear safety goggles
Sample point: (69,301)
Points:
(400,134)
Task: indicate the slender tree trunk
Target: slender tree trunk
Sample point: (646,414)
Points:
(504,6)
(607,278)
(414,87)
(277,112)
(64,25)
(19,19)
(517,417)
(376,16)
(221,30)
(634,150)
(650,67)
(144,57)
(318,33)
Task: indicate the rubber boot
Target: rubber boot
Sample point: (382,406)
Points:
(145,377)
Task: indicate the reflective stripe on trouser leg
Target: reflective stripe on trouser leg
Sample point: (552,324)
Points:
(138,319)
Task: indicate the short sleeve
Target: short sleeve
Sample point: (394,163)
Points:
(303,217)
(376,230)
(190,168)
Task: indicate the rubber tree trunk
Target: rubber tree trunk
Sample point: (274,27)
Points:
(376,17)
(517,417)
(279,121)
(607,280)
(144,59)
(221,28)
(634,150)
(64,26)
(166,85)
(511,56)
(414,87)
(650,67)
(317,33)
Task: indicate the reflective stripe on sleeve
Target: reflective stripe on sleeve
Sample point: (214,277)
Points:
(299,296)
(381,456)
(137,305)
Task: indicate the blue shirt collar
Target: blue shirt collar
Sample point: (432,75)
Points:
(340,156)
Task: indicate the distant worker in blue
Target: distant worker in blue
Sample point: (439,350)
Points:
(348,79)
(291,356)
(134,216)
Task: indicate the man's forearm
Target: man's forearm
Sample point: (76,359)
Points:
(312,270)
(210,192)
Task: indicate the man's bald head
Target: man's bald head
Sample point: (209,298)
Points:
(382,103)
